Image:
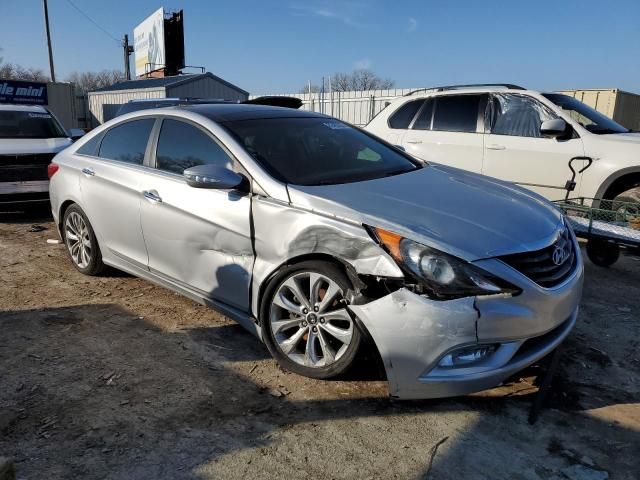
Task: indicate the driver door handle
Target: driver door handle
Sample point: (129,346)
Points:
(495,146)
(152,196)
(414,141)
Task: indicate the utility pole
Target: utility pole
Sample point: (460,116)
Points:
(128,50)
(46,26)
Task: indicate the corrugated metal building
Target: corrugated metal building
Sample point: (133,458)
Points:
(105,102)
(623,107)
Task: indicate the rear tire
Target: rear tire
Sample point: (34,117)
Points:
(305,323)
(81,242)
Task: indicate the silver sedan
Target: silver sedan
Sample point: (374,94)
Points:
(318,238)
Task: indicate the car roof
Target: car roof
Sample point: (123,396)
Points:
(231,112)
(22,108)
(427,92)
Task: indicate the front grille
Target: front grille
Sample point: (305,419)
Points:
(23,168)
(551,265)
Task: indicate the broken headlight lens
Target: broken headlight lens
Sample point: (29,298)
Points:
(443,275)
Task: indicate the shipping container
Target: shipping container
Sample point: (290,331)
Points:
(623,107)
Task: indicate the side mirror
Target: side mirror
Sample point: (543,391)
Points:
(554,128)
(212,176)
(76,133)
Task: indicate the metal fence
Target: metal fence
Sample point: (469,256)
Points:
(356,107)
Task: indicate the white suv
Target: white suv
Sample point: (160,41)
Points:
(30,136)
(519,135)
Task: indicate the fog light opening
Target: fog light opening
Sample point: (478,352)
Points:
(467,356)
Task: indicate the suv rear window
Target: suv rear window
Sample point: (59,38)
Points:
(456,113)
(403,116)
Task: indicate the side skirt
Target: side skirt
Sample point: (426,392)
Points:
(243,318)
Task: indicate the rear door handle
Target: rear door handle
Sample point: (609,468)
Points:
(495,146)
(88,171)
(415,142)
(152,196)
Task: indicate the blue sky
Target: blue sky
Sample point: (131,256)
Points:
(277,46)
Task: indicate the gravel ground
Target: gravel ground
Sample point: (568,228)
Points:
(114,377)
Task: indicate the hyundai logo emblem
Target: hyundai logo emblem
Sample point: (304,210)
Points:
(559,256)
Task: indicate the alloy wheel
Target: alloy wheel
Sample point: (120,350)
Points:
(309,320)
(78,239)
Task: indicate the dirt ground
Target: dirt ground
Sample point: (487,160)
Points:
(116,378)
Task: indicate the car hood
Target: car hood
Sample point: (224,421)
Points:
(631,137)
(32,145)
(462,213)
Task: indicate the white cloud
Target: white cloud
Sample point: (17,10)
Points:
(413,25)
(363,64)
(338,12)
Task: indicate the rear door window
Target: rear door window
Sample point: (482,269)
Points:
(401,119)
(127,142)
(456,113)
(423,120)
(183,146)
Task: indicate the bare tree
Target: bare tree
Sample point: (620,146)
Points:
(10,71)
(88,81)
(361,79)
(314,89)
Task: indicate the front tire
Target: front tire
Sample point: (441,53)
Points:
(602,253)
(81,242)
(627,204)
(306,325)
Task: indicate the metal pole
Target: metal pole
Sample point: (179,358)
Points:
(322,101)
(46,26)
(127,52)
(331,95)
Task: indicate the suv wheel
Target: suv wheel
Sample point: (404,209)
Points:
(306,324)
(621,204)
(81,242)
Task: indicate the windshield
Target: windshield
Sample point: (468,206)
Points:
(20,124)
(317,151)
(586,116)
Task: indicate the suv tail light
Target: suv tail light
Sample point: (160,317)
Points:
(52,168)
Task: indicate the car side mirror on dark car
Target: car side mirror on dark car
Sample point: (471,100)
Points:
(554,128)
(213,176)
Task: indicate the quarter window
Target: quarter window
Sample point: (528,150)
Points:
(90,147)
(456,113)
(402,118)
(517,115)
(182,146)
(127,142)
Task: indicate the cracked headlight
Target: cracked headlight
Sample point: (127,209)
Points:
(444,276)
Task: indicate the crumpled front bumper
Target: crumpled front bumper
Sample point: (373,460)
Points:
(413,333)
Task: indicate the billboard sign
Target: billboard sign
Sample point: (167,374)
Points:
(148,43)
(29,93)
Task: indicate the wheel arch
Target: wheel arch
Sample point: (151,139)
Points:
(619,182)
(344,266)
(63,208)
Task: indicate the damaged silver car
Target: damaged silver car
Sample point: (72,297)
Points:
(318,237)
